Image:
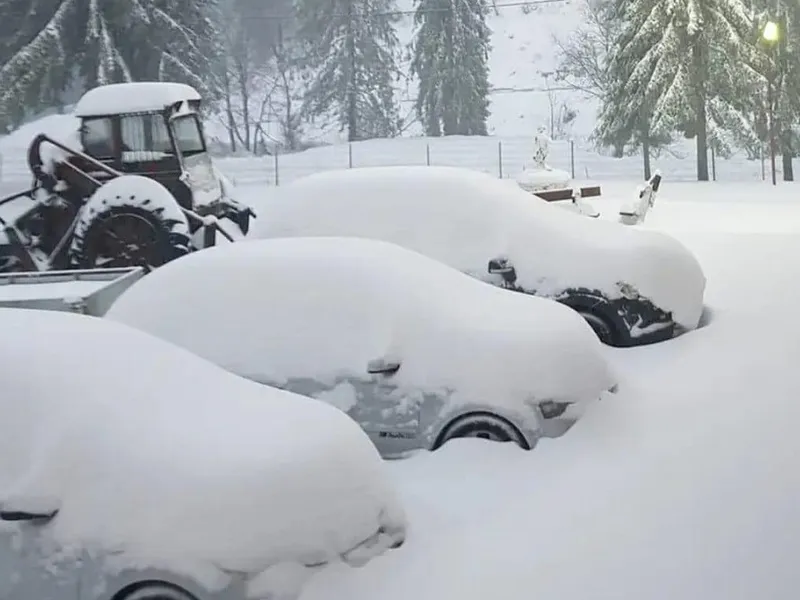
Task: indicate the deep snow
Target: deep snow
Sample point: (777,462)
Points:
(321,309)
(465,218)
(164,459)
(685,485)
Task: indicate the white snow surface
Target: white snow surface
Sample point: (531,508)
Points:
(131,97)
(465,218)
(158,454)
(323,308)
(533,179)
(684,485)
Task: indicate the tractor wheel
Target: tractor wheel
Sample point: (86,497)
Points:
(129,221)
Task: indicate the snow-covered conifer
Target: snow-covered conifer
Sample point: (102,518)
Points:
(450,59)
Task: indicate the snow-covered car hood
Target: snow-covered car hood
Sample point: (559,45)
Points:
(270,308)
(150,450)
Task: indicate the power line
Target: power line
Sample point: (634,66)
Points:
(523,90)
(401,13)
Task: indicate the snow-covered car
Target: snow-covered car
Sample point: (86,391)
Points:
(414,351)
(131,469)
(633,286)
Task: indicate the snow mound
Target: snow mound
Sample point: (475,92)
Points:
(638,501)
(534,180)
(270,308)
(132,97)
(156,454)
(465,218)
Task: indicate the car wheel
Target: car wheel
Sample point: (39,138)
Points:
(156,591)
(602,328)
(483,426)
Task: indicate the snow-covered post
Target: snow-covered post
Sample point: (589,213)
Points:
(500,158)
(572,158)
(541,148)
(635,212)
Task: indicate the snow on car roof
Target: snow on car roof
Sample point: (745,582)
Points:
(152,450)
(137,96)
(465,218)
(376,300)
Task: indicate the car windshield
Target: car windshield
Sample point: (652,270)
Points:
(188,135)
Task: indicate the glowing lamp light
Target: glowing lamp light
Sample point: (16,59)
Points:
(772,32)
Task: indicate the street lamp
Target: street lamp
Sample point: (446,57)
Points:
(771,35)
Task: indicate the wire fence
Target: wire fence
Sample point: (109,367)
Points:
(504,157)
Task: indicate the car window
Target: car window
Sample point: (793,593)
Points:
(97,137)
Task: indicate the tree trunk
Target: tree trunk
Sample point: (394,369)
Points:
(646,157)
(787,154)
(229,109)
(701,126)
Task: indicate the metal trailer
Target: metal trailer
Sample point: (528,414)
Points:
(88,292)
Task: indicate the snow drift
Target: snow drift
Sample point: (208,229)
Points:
(151,451)
(465,218)
(323,308)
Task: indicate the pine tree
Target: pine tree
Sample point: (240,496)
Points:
(450,58)
(352,53)
(34,43)
(680,65)
(49,42)
(781,75)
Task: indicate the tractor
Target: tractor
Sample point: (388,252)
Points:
(130,183)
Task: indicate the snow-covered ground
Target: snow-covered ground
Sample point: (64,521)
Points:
(685,485)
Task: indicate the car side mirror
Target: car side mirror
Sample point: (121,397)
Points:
(383,366)
(21,515)
(28,509)
(502,266)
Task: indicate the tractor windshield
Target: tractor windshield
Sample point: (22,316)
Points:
(145,137)
(188,135)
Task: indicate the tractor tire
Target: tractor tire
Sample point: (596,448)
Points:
(130,221)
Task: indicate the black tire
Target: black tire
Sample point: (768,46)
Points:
(129,235)
(602,328)
(156,591)
(484,426)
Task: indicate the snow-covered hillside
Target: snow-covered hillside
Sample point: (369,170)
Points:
(522,51)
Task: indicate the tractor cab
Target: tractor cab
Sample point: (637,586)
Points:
(153,129)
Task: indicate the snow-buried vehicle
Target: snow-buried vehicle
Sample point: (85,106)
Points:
(129,182)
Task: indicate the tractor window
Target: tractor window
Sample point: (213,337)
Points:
(188,135)
(145,137)
(97,137)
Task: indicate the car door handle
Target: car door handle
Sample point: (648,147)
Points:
(383,366)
